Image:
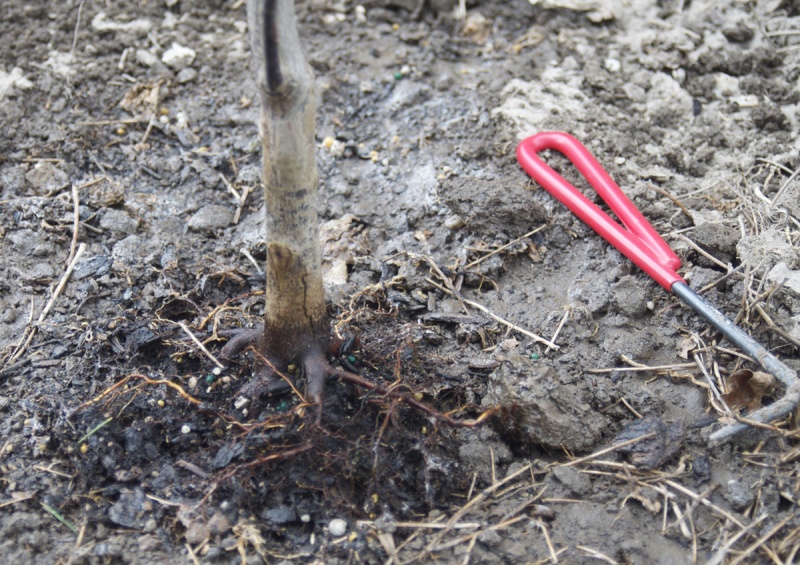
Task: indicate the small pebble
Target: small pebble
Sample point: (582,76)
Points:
(613,65)
(454,222)
(146,58)
(361,14)
(178,57)
(337,527)
(186,75)
(185,429)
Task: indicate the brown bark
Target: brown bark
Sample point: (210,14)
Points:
(296,326)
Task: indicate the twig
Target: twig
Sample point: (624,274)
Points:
(446,280)
(147,131)
(702,496)
(497,318)
(77,27)
(677,202)
(201,346)
(774,327)
(548,542)
(784,187)
(192,555)
(704,253)
(227,183)
(14,366)
(506,246)
(111,123)
(654,368)
(595,554)
(191,467)
(712,385)
(387,542)
(629,407)
(49,469)
(16,498)
(703,501)
(561,324)
(760,541)
(454,519)
(611,449)
(247,254)
(76,222)
(722,552)
(50,303)
(422,525)
(245,193)
(62,283)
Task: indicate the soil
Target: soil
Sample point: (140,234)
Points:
(122,442)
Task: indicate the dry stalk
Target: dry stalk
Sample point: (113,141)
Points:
(504,247)
(607,450)
(31,330)
(202,347)
(749,550)
(497,318)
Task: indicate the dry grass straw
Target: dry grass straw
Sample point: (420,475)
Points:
(448,534)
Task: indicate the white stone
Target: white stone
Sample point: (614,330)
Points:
(146,58)
(178,57)
(453,222)
(140,26)
(612,65)
(13,80)
(337,527)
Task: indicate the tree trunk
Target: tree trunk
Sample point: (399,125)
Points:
(296,328)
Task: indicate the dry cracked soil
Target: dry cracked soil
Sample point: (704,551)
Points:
(131,232)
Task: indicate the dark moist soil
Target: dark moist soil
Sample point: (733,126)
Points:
(121,443)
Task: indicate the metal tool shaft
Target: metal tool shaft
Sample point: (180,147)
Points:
(767,360)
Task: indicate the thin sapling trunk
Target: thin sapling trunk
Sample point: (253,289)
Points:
(296,328)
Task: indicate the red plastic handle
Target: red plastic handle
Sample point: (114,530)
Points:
(638,241)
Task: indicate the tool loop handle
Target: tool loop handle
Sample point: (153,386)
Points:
(638,240)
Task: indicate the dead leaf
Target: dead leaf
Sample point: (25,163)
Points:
(477,28)
(142,98)
(685,346)
(746,389)
(651,503)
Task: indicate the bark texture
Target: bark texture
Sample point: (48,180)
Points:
(296,327)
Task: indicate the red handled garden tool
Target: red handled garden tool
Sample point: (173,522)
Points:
(640,243)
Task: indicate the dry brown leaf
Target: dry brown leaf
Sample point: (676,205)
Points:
(142,98)
(477,28)
(746,389)
(685,346)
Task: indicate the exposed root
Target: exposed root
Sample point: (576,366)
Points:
(269,381)
(243,339)
(410,400)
